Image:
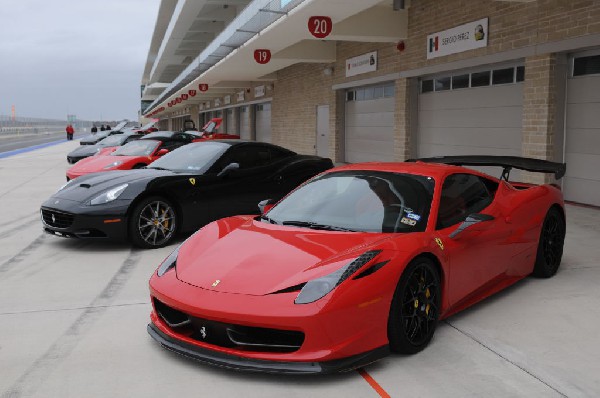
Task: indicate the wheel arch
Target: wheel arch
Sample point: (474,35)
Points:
(162,194)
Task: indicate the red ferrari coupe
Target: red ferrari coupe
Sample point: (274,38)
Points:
(133,155)
(359,261)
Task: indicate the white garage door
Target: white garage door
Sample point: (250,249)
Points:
(370,124)
(582,147)
(263,122)
(245,123)
(230,126)
(472,113)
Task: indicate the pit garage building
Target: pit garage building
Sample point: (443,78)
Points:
(372,80)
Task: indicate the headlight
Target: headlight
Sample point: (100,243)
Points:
(108,196)
(318,288)
(113,164)
(169,262)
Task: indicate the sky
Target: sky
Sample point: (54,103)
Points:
(81,57)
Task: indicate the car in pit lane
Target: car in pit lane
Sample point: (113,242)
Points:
(134,155)
(105,145)
(120,128)
(185,189)
(359,261)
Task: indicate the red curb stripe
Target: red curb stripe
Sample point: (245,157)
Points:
(382,393)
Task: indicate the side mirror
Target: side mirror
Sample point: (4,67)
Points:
(227,169)
(162,152)
(265,205)
(471,220)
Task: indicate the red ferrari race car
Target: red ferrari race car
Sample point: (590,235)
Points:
(359,261)
(133,155)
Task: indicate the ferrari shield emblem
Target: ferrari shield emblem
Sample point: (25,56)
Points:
(440,243)
(193,181)
(215,283)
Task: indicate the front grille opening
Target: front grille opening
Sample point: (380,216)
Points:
(171,316)
(57,219)
(228,335)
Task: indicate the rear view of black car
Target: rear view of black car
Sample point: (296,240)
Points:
(182,191)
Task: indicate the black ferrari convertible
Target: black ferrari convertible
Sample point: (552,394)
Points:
(185,189)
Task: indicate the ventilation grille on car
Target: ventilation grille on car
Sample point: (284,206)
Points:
(229,335)
(57,219)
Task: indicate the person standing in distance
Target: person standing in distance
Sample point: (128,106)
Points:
(70,131)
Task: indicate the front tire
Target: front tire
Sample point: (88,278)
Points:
(550,246)
(153,223)
(415,307)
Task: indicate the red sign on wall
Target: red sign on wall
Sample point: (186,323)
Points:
(184,97)
(262,56)
(178,100)
(203,87)
(192,93)
(320,27)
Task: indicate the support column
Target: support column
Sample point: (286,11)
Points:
(402,120)
(195,115)
(337,115)
(540,108)
(170,123)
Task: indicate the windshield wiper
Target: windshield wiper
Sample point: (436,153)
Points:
(269,219)
(314,225)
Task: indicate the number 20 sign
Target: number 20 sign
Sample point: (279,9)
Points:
(262,56)
(320,27)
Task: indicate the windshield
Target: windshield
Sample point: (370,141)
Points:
(196,158)
(367,201)
(137,148)
(119,126)
(160,134)
(113,140)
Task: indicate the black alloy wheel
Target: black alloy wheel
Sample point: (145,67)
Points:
(153,223)
(415,308)
(550,246)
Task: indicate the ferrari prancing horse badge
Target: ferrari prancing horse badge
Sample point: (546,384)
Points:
(440,243)
(193,181)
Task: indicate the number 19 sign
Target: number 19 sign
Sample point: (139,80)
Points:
(262,56)
(320,27)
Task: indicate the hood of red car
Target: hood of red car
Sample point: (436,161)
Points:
(258,258)
(94,164)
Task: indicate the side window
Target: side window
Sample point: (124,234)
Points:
(462,194)
(279,153)
(248,156)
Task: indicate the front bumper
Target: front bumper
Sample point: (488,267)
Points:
(234,362)
(341,334)
(74,220)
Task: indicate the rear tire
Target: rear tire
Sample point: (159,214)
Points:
(550,246)
(153,223)
(415,307)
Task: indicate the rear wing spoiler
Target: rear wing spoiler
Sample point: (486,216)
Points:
(506,162)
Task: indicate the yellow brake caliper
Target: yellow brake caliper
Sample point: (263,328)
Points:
(427,294)
(166,222)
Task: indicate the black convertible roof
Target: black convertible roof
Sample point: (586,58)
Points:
(506,162)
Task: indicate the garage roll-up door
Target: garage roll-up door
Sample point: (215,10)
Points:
(370,124)
(263,122)
(478,113)
(582,146)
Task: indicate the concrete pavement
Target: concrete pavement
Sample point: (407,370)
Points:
(73,318)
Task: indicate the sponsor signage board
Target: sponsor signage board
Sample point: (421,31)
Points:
(227,100)
(461,38)
(259,91)
(362,64)
(240,96)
